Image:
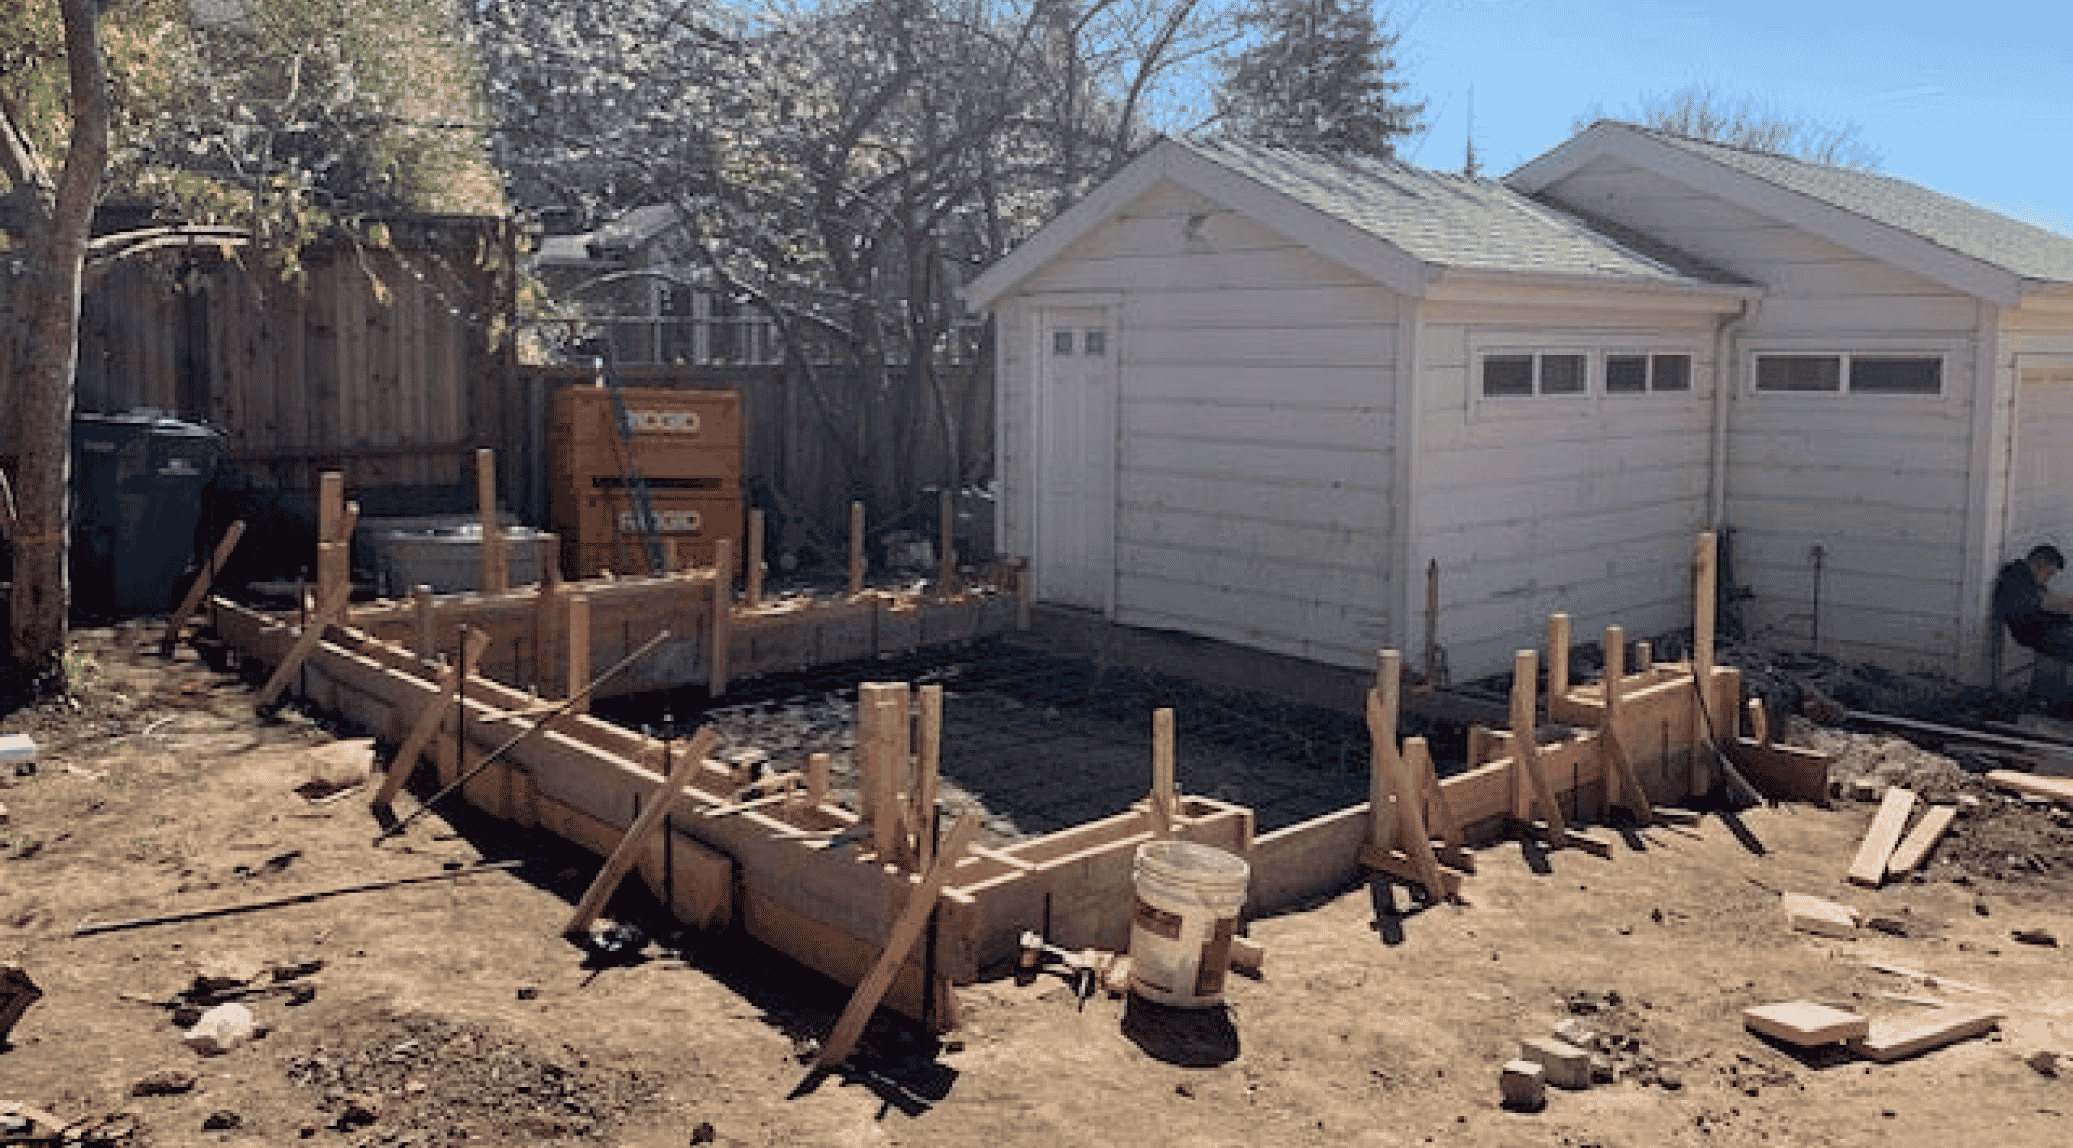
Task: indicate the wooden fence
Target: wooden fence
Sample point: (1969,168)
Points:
(393,362)
(384,362)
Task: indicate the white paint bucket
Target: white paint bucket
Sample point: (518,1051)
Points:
(1188,898)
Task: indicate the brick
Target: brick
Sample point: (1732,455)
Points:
(1804,1023)
(1819,917)
(1523,1086)
(1565,1065)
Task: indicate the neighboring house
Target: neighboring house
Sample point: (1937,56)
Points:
(634,280)
(1251,394)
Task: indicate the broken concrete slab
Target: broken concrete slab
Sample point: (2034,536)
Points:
(221,1029)
(1896,1040)
(1564,1064)
(1523,1086)
(1804,1023)
(1809,914)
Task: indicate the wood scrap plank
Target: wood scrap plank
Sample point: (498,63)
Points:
(178,622)
(1526,751)
(429,719)
(1896,1040)
(905,931)
(928,760)
(1914,848)
(723,610)
(1804,1023)
(313,632)
(1162,804)
(636,839)
(1412,836)
(1869,867)
(2056,788)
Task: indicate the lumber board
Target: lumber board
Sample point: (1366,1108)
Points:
(2058,789)
(899,942)
(1782,772)
(1897,1040)
(1309,859)
(200,588)
(312,633)
(1869,867)
(631,846)
(1916,846)
(429,720)
(1804,1023)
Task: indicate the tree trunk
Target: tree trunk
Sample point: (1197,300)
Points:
(50,354)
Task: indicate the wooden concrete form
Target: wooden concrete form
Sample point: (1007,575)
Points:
(825,885)
(535,629)
(797,875)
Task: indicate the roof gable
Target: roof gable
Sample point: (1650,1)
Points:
(1400,225)
(1961,245)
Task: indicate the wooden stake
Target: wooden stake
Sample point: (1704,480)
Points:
(752,597)
(496,556)
(881,760)
(927,765)
(1478,746)
(312,633)
(1703,603)
(429,719)
(546,623)
(644,827)
(856,549)
(1416,839)
(1526,750)
(946,572)
(921,904)
(427,623)
(818,767)
(1644,658)
(578,641)
(1163,802)
(1622,786)
(1759,723)
(723,610)
(1439,812)
(331,512)
(1558,656)
(200,588)
(1382,719)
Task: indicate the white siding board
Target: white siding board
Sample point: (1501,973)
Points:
(1193,271)
(1288,499)
(1232,571)
(1290,423)
(1928,316)
(1282,624)
(1325,384)
(1354,344)
(1301,307)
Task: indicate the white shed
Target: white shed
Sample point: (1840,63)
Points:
(1252,394)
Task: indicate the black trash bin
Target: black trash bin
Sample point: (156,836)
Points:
(137,482)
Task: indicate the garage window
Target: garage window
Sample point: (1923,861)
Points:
(1635,374)
(1521,374)
(1868,374)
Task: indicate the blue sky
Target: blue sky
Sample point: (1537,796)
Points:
(1972,100)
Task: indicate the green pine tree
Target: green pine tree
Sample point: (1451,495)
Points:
(1316,77)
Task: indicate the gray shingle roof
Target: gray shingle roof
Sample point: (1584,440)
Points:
(2016,247)
(1457,221)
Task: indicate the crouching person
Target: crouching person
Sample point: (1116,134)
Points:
(2039,620)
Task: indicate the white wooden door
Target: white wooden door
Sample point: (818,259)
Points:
(1076,458)
(2040,495)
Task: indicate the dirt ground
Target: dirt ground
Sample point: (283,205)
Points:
(452,1011)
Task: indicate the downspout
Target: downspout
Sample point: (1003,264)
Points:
(1724,331)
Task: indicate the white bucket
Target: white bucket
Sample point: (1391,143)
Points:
(1188,898)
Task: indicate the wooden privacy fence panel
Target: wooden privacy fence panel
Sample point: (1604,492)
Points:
(381,361)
